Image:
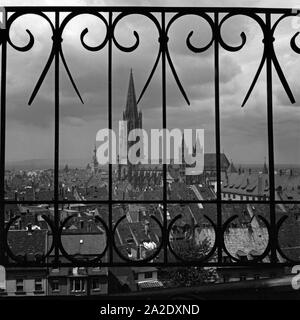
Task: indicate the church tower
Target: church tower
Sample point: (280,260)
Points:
(95,161)
(265,168)
(133,116)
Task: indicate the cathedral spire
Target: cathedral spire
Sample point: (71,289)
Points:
(133,118)
(131,104)
(95,161)
(265,169)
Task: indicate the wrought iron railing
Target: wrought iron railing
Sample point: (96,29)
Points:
(110,18)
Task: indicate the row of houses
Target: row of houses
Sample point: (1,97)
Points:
(83,238)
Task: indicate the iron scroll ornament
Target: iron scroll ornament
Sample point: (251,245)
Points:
(163,40)
(57,39)
(268,50)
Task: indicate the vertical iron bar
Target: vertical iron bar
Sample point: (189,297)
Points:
(219,239)
(3,127)
(56,137)
(269,44)
(110,227)
(163,44)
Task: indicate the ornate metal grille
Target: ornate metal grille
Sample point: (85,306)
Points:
(110,17)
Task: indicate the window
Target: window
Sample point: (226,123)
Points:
(38,284)
(55,285)
(20,285)
(77,285)
(95,284)
(148,275)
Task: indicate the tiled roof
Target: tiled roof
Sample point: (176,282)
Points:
(257,184)
(83,244)
(23,242)
(245,183)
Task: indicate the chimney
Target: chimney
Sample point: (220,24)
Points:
(291,172)
(280,172)
(249,170)
(29,229)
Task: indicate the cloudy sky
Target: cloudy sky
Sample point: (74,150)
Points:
(244,130)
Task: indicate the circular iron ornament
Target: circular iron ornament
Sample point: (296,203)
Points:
(92,261)
(22,259)
(257,259)
(278,226)
(206,256)
(136,262)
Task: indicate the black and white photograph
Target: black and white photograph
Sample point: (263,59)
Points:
(149,156)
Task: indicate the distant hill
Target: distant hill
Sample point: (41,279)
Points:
(36,164)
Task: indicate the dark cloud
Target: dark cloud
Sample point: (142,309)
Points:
(241,128)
